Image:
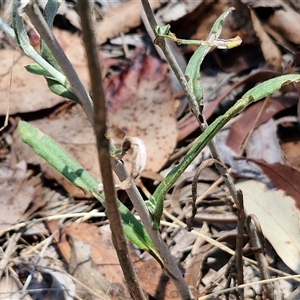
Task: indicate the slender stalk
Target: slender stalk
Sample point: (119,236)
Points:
(103,147)
(191,98)
(239,243)
(169,262)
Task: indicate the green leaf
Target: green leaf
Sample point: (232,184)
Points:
(54,86)
(61,90)
(38,70)
(163,30)
(260,91)
(47,148)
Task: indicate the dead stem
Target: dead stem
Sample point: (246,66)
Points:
(100,127)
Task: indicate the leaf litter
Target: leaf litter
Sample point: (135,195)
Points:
(140,92)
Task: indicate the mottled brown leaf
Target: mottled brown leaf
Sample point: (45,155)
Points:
(253,117)
(282,177)
(141,105)
(102,254)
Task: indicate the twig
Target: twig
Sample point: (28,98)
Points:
(239,242)
(257,244)
(10,248)
(103,147)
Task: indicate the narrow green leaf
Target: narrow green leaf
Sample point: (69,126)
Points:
(24,44)
(47,148)
(38,70)
(62,91)
(257,93)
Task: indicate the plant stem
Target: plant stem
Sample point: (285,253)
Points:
(191,98)
(103,147)
(37,19)
(169,262)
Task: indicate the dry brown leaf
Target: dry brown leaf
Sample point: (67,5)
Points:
(290,144)
(141,105)
(270,51)
(90,263)
(102,253)
(282,177)
(23,91)
(121,19)
(28,92)
(278,218)
(263,143)
(286,21)
(253,117)
(16,195)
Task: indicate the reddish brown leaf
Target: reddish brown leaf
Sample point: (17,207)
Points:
(140,104)
(252,118)
(102,253)
(282,177)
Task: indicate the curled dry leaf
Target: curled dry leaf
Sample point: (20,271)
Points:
(278,218)
(140,104)
(139,153)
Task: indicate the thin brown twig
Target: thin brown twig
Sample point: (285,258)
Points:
(239,242)
(103,147)
(257,244)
